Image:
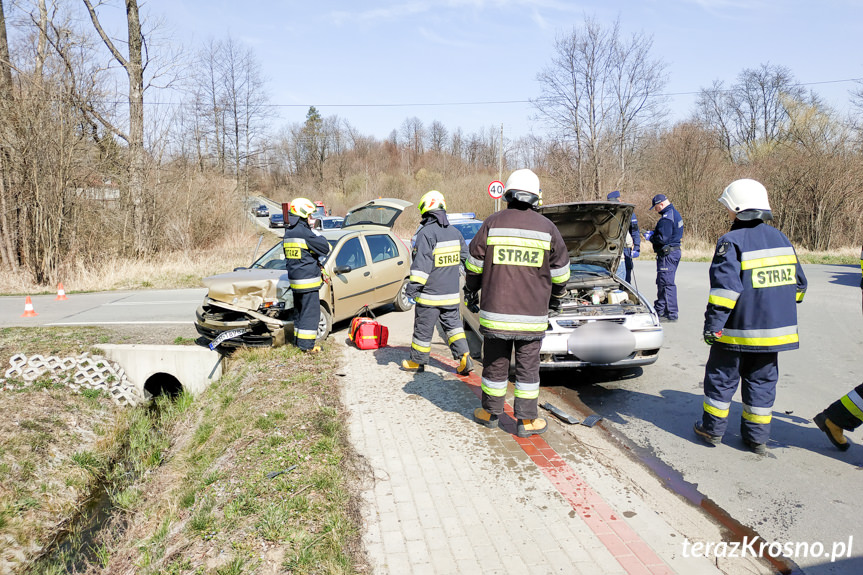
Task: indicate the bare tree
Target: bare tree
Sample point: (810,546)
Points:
(751,116)
(601,93)
(133,64)
(437,137)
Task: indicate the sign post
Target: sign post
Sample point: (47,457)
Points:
(495,190)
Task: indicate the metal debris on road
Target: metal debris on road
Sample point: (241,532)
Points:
(565,417)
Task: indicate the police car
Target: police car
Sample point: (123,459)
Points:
(465,222)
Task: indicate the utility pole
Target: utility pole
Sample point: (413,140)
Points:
(500,167)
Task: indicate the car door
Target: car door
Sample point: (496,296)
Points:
(352,278)
(388,266)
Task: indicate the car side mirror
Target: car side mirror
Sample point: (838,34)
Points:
(342,269)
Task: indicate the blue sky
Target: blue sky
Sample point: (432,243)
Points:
(377,62)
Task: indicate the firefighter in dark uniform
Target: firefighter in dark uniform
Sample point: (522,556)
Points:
(666,239)
(520,262)
(438,256)
(846,413)
(755,283)
(302,248)
(635,250)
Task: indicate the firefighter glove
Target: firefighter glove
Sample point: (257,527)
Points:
(471,300)
(711,337)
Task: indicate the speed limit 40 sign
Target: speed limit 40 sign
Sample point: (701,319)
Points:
(495,190)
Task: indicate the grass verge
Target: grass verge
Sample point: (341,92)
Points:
(253,476)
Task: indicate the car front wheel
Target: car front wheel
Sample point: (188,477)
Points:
(325,324)
(401,302)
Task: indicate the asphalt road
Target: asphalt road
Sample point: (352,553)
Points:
(802,493)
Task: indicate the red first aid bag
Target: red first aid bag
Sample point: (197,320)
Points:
(366,332)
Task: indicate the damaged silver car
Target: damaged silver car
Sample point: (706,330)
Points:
(604,321)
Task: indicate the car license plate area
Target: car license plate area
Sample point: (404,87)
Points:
(226,335)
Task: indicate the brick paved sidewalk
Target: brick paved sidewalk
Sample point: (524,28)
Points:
(450,496)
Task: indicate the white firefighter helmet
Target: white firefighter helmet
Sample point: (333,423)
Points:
(302,207)
(432,200)
(523,186)
(745,194)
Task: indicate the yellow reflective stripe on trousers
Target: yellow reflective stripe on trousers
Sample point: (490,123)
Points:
(306,333)
(420,348)
(526,390)
(716,408)
(761,415)
(455,337)
(854,404)
(493,388)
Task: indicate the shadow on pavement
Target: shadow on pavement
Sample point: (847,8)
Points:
(846,275)
(675,412)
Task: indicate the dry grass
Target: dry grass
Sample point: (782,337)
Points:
(202,501)
(165,271)
(211,507)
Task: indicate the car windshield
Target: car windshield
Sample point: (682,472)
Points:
(274,259)
(374,214)
(331,224)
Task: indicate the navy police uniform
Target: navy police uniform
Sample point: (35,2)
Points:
(666,240)
(755,283)
(302,248)
(439,254)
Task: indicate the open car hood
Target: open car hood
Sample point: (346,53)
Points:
(594,232)
(248,288)
(379,212)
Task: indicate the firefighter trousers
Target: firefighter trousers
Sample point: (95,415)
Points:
(308,314)
(425,319)
(847,412)
(724,372)
(495,375)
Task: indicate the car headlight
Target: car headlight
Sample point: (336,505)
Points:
(640,321)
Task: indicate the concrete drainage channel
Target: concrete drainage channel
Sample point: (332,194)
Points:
(169,369)
(130,375)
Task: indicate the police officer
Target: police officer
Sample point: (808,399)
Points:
(846,413)
(520,261)
(438,255)
(628,252)
(302,248)
(666,239)
(755,282)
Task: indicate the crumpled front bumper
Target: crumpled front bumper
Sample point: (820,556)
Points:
(214,317)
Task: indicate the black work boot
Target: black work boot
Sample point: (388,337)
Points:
(704,436)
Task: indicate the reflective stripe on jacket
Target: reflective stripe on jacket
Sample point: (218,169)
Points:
(517,258)
(302,247)
(755,284)
(439,253)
